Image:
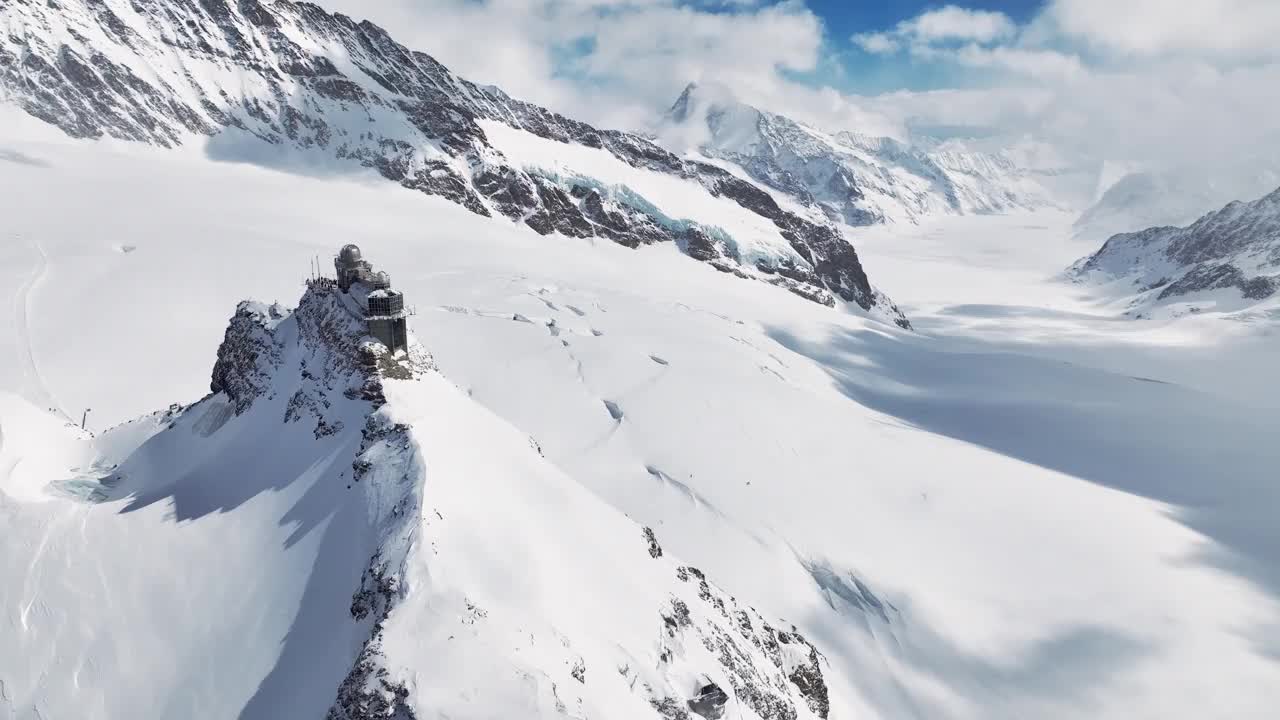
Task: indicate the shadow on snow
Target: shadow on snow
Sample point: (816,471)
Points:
(233,461)
(1213,461)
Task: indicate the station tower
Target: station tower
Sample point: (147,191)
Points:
(383,306)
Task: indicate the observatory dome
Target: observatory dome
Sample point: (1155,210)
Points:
(350,254)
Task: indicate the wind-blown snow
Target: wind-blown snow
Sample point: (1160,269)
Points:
(1027,509)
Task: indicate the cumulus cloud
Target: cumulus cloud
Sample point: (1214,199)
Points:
(1238,30)
(1137,81)
(1184,114)
(946,24)
(957,23)
(877,43)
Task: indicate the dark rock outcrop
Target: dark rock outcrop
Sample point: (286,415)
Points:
(790,671)
(655,550)
(368,692)
(334,358)
(247,356)
(710,702)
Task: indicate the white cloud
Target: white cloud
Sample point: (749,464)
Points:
(1240,30)
(1038,63)
(957,23)
(1176,115)
(877,43)
(933,27)
(1154,82)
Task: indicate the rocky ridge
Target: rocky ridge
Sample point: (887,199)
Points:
(321,352)
(296,76)
(1235,248)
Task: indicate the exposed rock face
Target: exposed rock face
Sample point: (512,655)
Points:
(294,75)
(386,457)
(331,354)
(832,262)
(368,693)
(768,670)
(1237,247)
(1214,277)
(248,355)
(655,550)
(710,702)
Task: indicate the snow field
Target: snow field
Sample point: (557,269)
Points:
(962,475)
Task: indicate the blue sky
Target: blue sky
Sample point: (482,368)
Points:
(845,17)
(865,74)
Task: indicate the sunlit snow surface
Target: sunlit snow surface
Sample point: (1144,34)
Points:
(1029,508)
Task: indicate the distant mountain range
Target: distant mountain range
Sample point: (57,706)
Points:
(855,179)
(1227,260)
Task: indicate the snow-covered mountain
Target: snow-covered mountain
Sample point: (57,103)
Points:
(321,88)
(1226,260)
(855,179)
(441,566)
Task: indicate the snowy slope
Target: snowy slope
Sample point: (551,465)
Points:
(536,599)
(1001,516)
(1227,261)
(855,179)
(371,527)
(289,84)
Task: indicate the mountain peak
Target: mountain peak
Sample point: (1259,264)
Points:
(854,178)
(703,94)
(679,110)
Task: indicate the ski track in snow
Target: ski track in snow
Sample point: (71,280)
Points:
(38,391)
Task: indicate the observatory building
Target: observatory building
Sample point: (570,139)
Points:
(383,307)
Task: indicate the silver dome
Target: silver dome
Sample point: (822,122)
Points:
(350,254)
(382,280)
